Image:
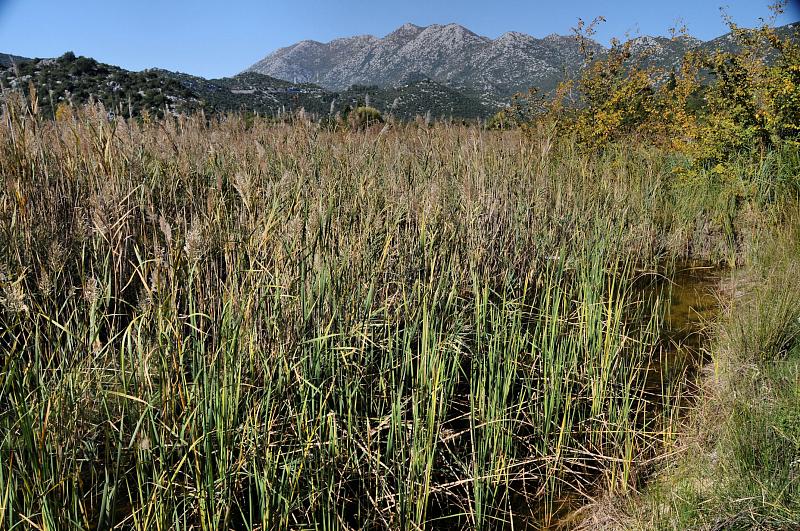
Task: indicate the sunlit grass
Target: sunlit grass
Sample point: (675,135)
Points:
(243,325)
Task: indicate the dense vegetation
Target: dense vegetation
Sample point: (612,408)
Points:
(253,93)
(417,98)
(233,322)
(715,105)
(77,80)
(738,465)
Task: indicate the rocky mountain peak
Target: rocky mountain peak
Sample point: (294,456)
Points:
(405,32)
(445,53)
(514,37)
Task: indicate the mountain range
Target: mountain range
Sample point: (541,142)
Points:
(449,54)
(78,79)
(441,70)
(492,69)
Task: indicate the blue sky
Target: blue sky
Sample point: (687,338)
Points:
(213,39)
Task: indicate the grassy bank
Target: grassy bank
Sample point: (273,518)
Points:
(738,465)
(246,325)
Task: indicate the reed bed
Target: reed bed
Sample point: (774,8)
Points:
(232,324)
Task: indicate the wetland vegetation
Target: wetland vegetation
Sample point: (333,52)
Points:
(240,324)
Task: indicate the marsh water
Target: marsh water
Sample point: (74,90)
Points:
(693,303)
(692,296)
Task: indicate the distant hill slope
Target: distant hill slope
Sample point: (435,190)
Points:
(79,79)
(726,42)
(267,95)
(6,59)
(416,98)
(254,92)
(455,56)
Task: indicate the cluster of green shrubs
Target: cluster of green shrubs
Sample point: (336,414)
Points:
(364,116)
(712,108)
(77,80)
